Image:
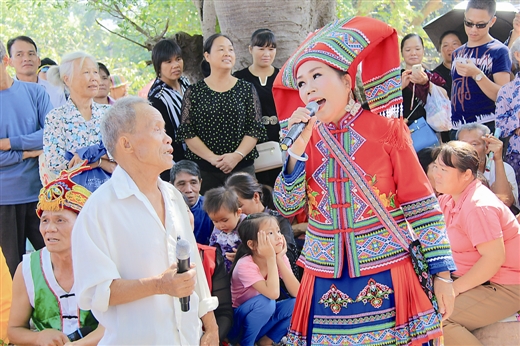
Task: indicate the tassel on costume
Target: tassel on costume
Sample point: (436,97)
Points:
(398,134)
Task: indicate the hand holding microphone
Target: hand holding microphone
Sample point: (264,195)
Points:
(299,120)
(176,281)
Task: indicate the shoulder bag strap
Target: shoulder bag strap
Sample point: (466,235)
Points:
(357,178)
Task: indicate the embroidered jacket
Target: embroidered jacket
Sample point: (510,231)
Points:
(342,227)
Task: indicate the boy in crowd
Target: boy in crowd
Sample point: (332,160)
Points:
(222,207)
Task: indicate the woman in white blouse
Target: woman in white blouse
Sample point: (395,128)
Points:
(75,125)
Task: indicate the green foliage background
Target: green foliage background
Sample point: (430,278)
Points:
(63,26)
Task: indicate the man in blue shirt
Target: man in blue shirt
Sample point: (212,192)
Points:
(25,61)
(185,176)
(480,67)
(22,114)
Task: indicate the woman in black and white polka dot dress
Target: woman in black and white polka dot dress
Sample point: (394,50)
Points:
(221,118)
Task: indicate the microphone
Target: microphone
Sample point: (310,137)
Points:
(296,129)
(80,333)
(183,265)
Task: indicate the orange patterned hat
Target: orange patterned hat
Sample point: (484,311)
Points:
(63,193)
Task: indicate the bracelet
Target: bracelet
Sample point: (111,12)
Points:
(448,281)
(99,163)
(299,158)
(239,153)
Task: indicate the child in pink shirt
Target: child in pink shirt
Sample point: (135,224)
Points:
(259,265)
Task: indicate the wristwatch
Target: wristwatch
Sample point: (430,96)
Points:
(478,77)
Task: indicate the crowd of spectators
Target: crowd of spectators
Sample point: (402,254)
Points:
(107,186)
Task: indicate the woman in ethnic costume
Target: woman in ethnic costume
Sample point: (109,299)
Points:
(43,285)
(359,286)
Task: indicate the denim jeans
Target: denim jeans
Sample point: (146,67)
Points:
(261,316)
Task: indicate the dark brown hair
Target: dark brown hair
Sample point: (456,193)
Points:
(220,197)
(248,230)
(245,186)
(460,155)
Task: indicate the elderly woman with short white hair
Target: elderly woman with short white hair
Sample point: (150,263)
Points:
(508,112)
(75,126)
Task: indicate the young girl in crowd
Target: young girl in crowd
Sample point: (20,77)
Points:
(255,286)
(223,209)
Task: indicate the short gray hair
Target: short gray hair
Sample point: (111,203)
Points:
(474,127)
(515,47)
(2,50)
(120,118)
(55,74)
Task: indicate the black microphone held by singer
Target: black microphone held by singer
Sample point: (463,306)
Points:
(183,265)
(297,129)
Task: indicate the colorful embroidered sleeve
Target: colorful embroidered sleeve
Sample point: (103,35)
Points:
(421,209)
(290,190)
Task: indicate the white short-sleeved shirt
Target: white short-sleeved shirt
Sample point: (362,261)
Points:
(119,235)
(511,178)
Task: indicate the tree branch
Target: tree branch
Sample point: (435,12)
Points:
(137,27)
(161,35)
(126,38)
(428,8)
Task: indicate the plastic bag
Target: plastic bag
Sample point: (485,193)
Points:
(95,177)
(438,110)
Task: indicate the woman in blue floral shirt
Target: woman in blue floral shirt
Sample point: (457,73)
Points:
(76,124)
(508,112)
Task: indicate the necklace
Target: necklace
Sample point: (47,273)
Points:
(264,83)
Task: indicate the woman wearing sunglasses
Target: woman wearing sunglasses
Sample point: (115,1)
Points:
(482,66)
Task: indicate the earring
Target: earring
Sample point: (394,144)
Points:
(352,106)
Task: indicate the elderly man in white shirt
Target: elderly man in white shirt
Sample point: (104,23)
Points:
(123,243)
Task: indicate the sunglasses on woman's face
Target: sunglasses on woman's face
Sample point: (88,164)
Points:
(479,26)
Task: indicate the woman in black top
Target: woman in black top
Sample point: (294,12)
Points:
(167,91)
(449,41)
(415,85)
(262,75)
(221,118)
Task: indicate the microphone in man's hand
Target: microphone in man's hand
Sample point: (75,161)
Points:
(80,333)
(297,129)
(183,265)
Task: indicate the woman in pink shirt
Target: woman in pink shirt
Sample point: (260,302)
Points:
(485,241)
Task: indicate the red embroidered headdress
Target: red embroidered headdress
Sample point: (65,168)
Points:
(343,45)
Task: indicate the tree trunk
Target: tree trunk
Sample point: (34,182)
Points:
(290,20)
(191,47)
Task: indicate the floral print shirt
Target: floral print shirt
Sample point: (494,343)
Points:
(508,113)
(228,242)
(66,130)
